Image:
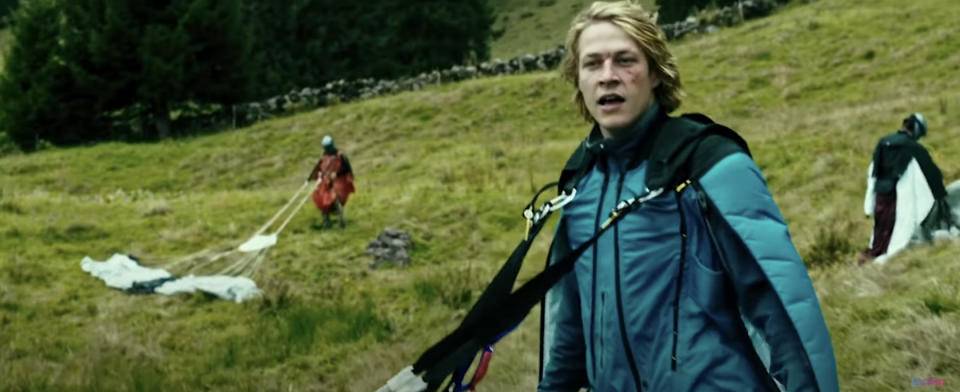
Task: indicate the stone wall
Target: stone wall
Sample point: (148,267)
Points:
(351,90)
(708,22)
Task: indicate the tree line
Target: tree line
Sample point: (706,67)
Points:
(6,7)
(80,71)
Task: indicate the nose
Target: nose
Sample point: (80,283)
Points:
(608,74)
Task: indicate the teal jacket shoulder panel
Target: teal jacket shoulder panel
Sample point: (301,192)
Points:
(774,290)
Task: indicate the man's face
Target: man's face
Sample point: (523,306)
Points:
(614,77)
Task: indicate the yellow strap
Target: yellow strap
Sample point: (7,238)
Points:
(682,185)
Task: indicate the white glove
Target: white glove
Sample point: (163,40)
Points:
(405,381)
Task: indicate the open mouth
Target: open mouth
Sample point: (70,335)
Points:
(610,99)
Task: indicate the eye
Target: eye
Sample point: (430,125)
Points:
(626,60)
(590,63)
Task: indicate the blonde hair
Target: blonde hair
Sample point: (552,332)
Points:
(640,26)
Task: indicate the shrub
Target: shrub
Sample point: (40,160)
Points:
(829,247)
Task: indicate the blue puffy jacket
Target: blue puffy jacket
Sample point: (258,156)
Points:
(654,305)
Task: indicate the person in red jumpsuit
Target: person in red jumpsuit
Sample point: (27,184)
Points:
(334,178)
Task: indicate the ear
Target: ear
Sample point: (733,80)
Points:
(654,74)
(654,79)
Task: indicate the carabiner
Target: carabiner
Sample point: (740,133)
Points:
(625,206)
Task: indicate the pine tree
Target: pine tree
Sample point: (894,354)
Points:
(311,42)
(6,9)
(149,55)
(87,70)
(41,99)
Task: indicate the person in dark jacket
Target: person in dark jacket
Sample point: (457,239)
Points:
(701,287)
(334,178)
(905,192)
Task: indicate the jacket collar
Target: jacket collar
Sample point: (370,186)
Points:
(597,144)
(639,146)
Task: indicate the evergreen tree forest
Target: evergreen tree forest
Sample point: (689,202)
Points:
(82,71)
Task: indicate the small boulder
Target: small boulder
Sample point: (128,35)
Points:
(391,246)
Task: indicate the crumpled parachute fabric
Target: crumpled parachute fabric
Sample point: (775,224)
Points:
(122,272)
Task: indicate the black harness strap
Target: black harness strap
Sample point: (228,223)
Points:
(438,361)
(498,309)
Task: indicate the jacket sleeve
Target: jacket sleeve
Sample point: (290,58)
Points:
(774,292)
(562,351)
(344,166)
(930,171)
(870,199)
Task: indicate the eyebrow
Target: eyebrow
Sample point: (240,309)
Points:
(617,53)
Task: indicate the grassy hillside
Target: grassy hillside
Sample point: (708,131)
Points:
(811,89)
(530,26)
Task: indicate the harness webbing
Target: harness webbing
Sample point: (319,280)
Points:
(498,310)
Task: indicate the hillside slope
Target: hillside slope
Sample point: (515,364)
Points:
(532,26)
(811,89)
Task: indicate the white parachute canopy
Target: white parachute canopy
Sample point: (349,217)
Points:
(914,202)
(124,272)
(257,242)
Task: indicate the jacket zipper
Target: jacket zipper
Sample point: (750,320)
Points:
(593,286)
(603,308)
(623,328)
(676,300)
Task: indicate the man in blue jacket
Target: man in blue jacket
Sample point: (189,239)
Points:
(699,289)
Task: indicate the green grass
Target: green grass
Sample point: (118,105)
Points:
(531,26)
(453,165)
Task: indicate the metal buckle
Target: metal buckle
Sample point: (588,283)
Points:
(625,206)
(534,217)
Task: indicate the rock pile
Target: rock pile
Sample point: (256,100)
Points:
(391,246)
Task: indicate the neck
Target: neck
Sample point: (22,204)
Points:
(636,128)
(613,133)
